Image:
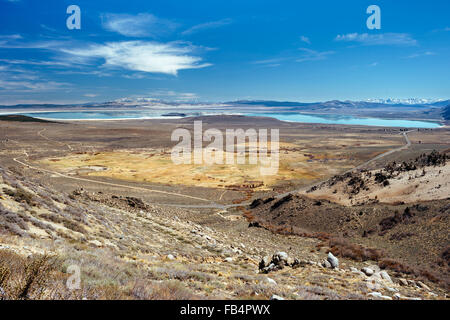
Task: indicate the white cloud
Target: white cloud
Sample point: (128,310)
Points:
(45,27)
(143,56)
(305,39)
(269,61)
(17,79)
(90,95)
(399,39)
(11,36)
(312,55)
(29,86)
(421,54)
(306,55)
(140,25)
(38,63)
(207,25)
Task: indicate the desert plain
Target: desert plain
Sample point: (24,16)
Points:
(106,196)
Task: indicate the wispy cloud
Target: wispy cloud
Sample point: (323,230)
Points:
(442,29)
(313,55)
(306,55)
(140,25)
(207,25)
(47,28)
(14,78)
(38,63)
(143,56)
(275,62)
(398,39)
(90,95)
(420,54)
(10,37)
(29,86)
(305,39)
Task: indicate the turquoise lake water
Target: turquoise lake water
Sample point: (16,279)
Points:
(293,117)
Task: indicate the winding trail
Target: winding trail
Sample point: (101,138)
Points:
(406,146)
(51,140)
(108,183)
(212,204)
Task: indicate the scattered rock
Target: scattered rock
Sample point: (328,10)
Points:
(402,282)
(333,260)
(280,258)
(379,295)
(96,243)
(254,224)
(170,257)
(271,281)
(265,262)
(229,259)
(374,267)
(397,296)
(269,268)
(375,294)
(412,283)
(326,264)
(385,276)
(290,261)
(423,285)
(356,271)
(368,271)
(275,297)
(277,262)
(298,263)
(411,298)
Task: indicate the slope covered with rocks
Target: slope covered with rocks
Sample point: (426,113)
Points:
(128,249)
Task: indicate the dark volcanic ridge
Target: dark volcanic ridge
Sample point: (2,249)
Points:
(21,118)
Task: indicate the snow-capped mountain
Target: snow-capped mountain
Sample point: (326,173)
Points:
(404,101)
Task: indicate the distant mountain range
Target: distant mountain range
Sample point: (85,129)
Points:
(423,109)
(337,103)
(446,112)
(406,101)
(412,102)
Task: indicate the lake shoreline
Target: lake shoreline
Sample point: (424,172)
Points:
(304,117)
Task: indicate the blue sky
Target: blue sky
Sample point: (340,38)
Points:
(223,50)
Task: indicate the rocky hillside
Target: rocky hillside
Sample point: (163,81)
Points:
(128,249)
(395,183)
(374,215)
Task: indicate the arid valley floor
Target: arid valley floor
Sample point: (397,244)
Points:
(105,196)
